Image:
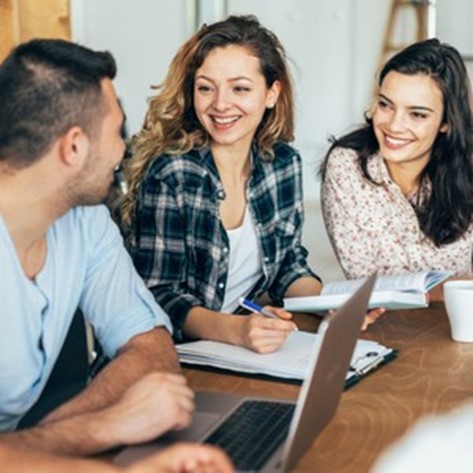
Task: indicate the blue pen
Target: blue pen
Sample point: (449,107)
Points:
(253,307)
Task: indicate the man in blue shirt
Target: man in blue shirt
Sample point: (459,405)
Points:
(60,142)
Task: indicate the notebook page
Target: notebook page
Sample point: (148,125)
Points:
(412,282)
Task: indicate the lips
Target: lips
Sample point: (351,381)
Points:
(395,143)
(224,122)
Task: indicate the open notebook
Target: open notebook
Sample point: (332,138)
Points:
(399,291)
(290,362)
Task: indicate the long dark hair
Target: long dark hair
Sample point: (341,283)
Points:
(447,214)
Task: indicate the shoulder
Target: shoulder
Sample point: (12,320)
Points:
(176,170)
(84,217)
(285,153)
(342,158)
(86,223)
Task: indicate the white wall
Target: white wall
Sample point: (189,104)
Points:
(454,21)
(143,35)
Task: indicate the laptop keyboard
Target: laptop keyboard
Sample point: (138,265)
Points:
(253,432)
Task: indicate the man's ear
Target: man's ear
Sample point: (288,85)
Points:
(74,147)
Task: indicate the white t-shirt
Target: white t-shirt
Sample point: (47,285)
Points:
(245,267)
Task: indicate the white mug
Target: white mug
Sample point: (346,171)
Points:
(458,296)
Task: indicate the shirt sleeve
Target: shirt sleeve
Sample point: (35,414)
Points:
(354,231)
(289,233)
(115,299)
(159,251)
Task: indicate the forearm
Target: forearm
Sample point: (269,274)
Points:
(21,460)
(82,435)
(208,324)
(145,353)
(305,286)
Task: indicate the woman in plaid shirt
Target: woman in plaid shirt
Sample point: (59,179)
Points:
(214,210)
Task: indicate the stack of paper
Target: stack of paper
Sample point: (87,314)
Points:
(291,361)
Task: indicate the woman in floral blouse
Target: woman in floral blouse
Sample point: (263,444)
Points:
(397,193)
(215,208)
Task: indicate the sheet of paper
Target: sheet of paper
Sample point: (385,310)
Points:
(290,361)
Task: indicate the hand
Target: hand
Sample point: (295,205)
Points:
(155,404)
(372,316)
(185,458)
(263,334)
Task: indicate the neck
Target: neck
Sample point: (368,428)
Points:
(28,208)
(405,175)
(232,163)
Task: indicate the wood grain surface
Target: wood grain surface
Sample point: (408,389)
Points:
(431,374)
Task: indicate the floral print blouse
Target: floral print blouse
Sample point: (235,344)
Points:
(375,227)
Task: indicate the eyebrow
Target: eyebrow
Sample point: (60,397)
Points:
(232,79)
(412,107)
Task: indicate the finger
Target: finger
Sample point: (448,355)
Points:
(280,312)
(371,317)
(272,324)
(266,344)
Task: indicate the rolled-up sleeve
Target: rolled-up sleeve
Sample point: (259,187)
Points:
(115,299)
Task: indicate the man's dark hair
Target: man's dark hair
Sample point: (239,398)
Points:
(48,86)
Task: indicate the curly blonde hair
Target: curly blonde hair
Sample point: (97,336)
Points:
(171,126)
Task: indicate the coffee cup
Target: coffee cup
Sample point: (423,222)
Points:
(458,296)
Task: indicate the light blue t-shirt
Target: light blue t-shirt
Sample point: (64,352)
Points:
(86,266)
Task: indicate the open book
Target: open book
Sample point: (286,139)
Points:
(403,291)
(291,361)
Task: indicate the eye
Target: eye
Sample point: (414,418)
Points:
(382,104)
(418,115)
(241,89)
(202,88)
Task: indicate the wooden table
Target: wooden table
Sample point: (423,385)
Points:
(431,374)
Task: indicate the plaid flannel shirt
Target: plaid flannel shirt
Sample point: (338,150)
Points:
(180,246)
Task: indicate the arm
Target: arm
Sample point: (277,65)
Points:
(16,459)
(343,199)
(180,458)
(149,352)
(115,411)
(294,276)
(256,332)
(305,286)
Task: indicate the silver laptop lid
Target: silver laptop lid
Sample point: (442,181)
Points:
(320,393)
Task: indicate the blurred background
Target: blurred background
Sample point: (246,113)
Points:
(335,49)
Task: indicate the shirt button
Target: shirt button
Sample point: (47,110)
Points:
(266,259)
(225,249)
(221,285)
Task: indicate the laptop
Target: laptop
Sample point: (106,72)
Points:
(269,434)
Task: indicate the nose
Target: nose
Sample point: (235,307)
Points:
(396,122)
(221,100)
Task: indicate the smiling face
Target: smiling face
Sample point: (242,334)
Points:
(231,96)
(407,119)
